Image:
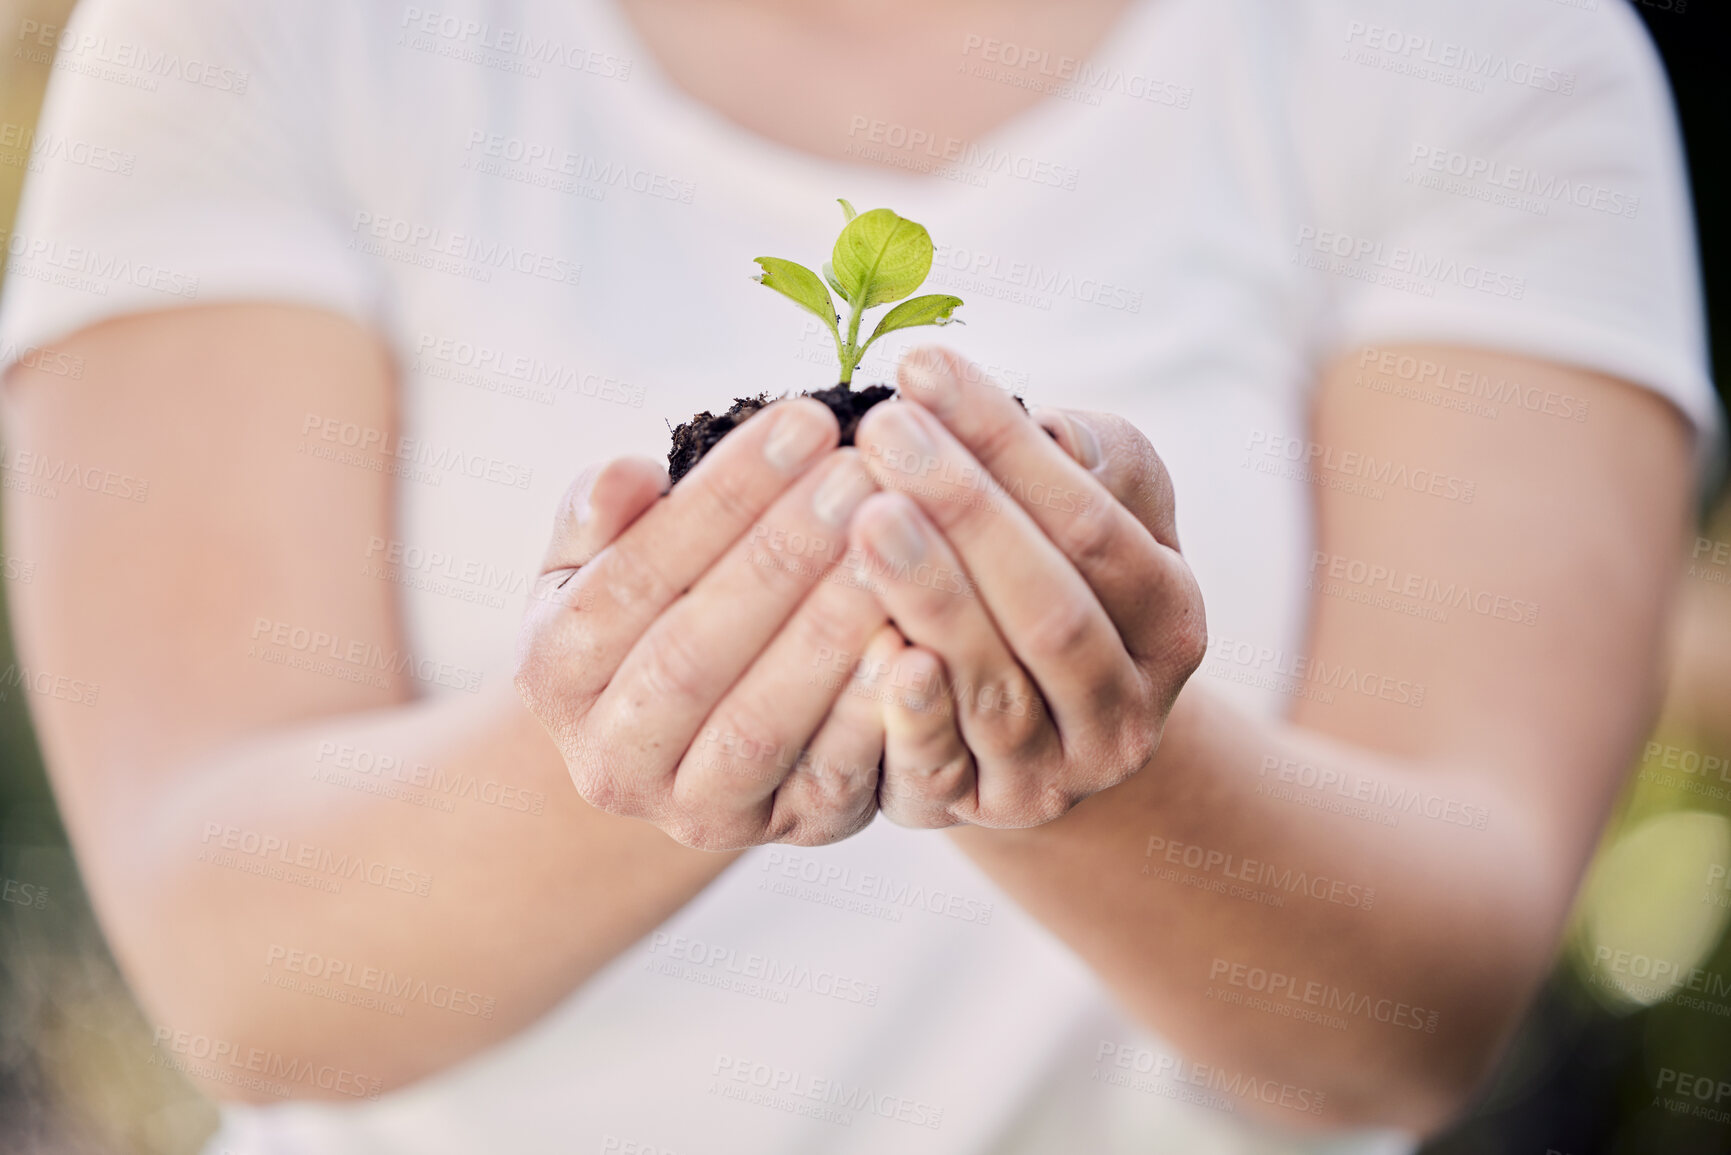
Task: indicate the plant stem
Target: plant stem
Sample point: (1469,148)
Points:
(850,353)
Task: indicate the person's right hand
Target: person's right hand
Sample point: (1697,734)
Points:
(687,658)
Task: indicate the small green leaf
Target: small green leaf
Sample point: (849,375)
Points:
(934,309)
(846,209)
(881,257)
(801,286)
(829,275)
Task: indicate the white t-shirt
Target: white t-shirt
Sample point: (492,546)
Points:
(557,242)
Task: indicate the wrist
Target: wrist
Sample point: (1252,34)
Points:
(1166,778)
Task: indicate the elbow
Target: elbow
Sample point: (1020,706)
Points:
(248,1042)
(240,1045)
(236,1050)
(1434,1080)
(1435,1103)
(1419,1102)
(211,1020)
(1434,1076)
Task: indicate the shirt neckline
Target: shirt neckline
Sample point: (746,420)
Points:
(784,177)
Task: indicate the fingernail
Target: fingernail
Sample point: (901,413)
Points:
(798,436)
(901,426)
(926,376)
(840,494)
(898,539)
(1084,446)
(1087,444)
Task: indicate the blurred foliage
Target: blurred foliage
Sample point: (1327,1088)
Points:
(76,1076)
(1583,1076)
(1580,1077)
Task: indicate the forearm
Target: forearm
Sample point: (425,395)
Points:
(1280,905)
(438,850)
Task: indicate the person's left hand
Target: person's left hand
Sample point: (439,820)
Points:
(1050,618)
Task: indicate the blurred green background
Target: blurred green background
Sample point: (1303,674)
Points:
(1584,1075)
(75,1075)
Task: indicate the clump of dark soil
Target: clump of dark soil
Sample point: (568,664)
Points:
(699,435)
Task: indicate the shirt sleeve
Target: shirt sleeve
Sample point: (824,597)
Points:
(182,158)
(1505,176)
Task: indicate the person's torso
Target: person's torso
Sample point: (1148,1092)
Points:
(566,243)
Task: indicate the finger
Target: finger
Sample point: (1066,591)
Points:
(1107,545)
(832,790)
(1120,456)
(754,737)
(928,780)
(694,652)
(598,506)
(602,610)
(1041,604)
(1169,632)
(998,708)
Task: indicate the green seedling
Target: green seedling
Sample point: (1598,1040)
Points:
(879,258)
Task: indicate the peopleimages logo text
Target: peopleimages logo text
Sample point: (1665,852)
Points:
(1470,62)
(1365,253)
(526,47)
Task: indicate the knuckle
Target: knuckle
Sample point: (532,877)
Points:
(605,793)
(742,743)
(1136,743)
(825,799)
(806,833)
(1052,802)
(965,511)
(672,670)
(1091,536)
(1187,642)
(835,783)
(1063,629)
(934,604)
(1007,719)
(922,786)
(630,579)
(996,432)
(791,828)
(689,831)
(825,626)
(919,664)
(913,815)
(1033,805)
(699,828)
(917,696)
(926,780)
(728,492)
(803,829)
(776,574)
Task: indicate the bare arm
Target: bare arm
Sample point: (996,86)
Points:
(198,750)
(1391,1008)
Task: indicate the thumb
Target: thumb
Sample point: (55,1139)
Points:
(1121,457)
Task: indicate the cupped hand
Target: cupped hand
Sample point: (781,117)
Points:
(686,654)
(1050,618)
